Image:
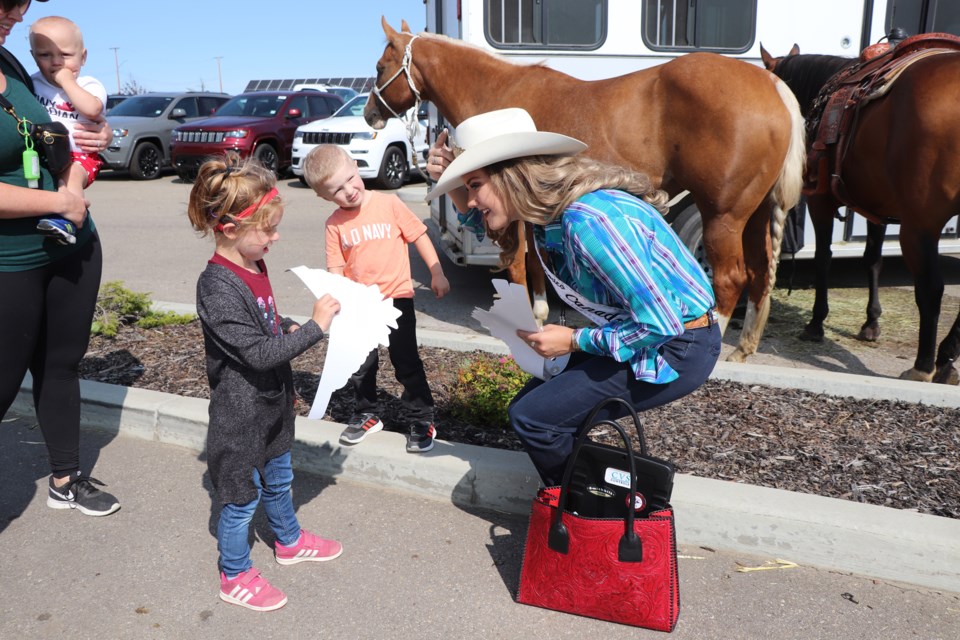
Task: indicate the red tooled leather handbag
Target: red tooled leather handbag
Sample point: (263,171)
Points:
(622,569)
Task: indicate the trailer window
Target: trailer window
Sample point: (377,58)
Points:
(546,24)
(947,18)
(923,16)
(715,25)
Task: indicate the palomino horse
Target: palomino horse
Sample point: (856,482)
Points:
(727,131)
(899,164)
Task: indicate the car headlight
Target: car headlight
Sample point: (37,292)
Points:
(366,135)
(298,135)
(120,133)
(236,133)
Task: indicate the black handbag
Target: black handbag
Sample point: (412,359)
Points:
(52,142)
(600,480)
(50,139)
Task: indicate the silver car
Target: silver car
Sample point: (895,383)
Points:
(142,125)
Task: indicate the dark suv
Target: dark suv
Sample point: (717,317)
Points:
(260,124)
(142,125)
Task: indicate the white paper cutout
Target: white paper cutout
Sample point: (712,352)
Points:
(364,321)
(512,311)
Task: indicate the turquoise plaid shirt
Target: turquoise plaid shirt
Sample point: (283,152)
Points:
(618,251)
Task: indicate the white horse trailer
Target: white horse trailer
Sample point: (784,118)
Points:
(593,39)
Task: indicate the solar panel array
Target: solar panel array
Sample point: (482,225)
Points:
(361,85)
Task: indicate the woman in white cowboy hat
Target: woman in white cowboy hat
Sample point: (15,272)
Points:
(609,254)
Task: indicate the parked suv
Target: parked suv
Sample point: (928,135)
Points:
(344,92)
(113,100)
(384,155)
(258,124)
(142,125)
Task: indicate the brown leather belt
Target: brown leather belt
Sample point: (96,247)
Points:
(707,319)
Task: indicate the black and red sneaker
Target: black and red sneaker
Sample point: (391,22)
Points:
(421,437)
(359,427)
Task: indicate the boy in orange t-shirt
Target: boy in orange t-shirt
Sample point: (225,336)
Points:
(367,241)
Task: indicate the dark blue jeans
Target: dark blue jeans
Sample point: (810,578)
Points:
(548,416)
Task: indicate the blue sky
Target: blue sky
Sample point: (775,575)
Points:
(173,45)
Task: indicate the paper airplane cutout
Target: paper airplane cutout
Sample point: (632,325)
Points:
(364,321)
(511,312)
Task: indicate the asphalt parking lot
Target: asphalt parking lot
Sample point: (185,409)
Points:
(149,245)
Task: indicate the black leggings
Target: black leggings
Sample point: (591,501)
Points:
(45,327)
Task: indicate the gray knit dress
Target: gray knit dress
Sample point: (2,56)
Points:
(251,382)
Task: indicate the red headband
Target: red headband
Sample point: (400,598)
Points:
(267,197)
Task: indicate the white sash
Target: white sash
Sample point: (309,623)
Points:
(596,313)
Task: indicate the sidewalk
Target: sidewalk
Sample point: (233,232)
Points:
(413,567)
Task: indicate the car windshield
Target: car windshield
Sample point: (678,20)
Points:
(252,105)
(141,106)
(352,108)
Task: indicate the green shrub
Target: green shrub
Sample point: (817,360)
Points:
(164,318)
(485,386)
(118,306)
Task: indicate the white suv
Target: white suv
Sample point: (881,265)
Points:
(384,156)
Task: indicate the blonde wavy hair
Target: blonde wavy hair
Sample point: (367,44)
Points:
(224,187)
(540,188)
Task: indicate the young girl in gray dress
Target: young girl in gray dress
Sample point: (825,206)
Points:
(248,351)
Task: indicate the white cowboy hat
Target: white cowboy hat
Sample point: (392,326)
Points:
(496,136)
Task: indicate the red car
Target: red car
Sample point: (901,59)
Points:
(259,124)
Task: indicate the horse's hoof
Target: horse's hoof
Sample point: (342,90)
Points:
(869,333)
(947,375)
(917,375)
(809,335)
(737,356)
(540,311)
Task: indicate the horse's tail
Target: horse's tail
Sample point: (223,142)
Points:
(786,191)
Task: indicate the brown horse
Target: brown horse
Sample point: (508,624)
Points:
(900,164)
(725,130)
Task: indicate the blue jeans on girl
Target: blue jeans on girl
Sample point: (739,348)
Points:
(233,531)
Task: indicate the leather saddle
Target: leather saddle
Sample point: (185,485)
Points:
(833,118)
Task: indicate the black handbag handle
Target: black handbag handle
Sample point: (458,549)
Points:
(588,423)
(630,548)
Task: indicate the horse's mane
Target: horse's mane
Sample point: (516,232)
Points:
(440,37)
(807,75)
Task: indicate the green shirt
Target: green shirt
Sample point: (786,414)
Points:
(22,247)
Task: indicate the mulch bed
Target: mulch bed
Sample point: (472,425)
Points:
(888,453)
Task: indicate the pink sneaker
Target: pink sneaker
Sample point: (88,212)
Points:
(308,548)
(251,590)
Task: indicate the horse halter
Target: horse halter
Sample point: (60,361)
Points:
(405,70)
(411,122)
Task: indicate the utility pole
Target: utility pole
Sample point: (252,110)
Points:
(116,60)
(219,76)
